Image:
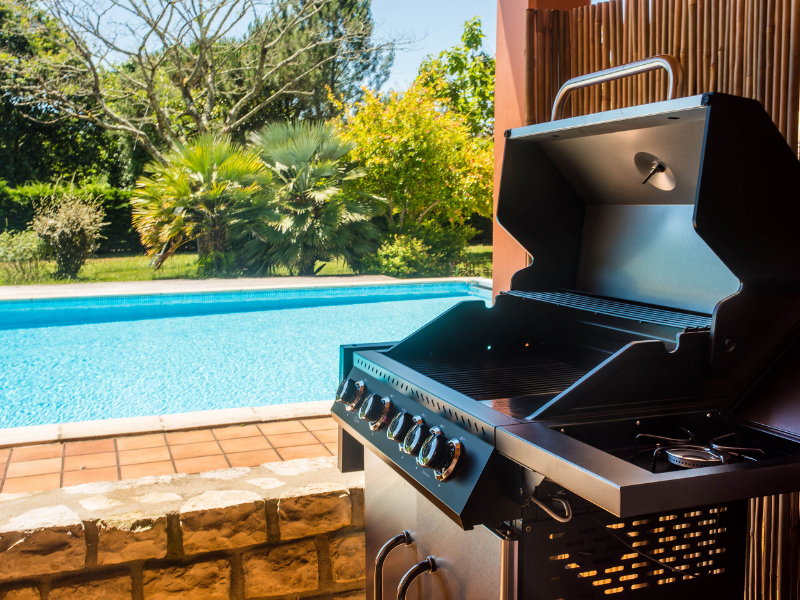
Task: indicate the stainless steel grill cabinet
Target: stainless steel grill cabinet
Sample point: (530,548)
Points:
(643,371)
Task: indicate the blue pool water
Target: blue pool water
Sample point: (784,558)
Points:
(96,358)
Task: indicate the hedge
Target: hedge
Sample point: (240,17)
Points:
(16,212)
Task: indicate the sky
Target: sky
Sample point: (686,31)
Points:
(435,25)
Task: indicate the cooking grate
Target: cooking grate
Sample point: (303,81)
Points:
(507,374)
(636,312)
(582,559)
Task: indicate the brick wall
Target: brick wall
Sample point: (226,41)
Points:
(156,541)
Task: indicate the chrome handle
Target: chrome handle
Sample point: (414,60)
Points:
(398,540)
(426,566)
(661,61)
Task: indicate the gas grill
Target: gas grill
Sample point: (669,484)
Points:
(598,431)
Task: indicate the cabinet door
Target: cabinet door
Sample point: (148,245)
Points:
(472,565)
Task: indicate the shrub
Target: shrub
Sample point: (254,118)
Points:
(399,256)
(71,230)
(21,256)
(17,210)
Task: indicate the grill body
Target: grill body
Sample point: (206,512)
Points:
(663,311)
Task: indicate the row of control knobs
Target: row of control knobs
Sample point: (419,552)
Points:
(432,449)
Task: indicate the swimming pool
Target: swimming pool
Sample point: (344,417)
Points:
(77,359)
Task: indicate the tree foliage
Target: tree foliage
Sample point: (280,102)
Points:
(166,70)
(205,188)
(464,77)
(422,160)
(315,214)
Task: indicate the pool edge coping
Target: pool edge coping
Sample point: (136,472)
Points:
(128,426)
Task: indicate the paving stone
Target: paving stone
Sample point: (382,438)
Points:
(286,569)
(132,536)
(306,513)
(348,558)
(41,541)
(208,580)
(118,588)
(220,520)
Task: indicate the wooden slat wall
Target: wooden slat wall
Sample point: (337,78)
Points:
(746,47)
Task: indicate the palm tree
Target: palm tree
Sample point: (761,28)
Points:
(313,215)
(207,187)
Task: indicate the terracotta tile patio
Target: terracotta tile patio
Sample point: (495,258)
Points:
(50,466)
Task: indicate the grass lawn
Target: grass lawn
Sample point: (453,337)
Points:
(184,266)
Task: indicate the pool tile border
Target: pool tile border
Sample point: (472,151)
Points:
(87,430)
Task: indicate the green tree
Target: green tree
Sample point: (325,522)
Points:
(422,160)
(205,188)
(164,71)
(316,214)
(30,150)
(464,76)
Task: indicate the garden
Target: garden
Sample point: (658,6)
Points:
(248,143)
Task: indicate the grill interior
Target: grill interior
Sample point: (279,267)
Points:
(542,371)
(582,559)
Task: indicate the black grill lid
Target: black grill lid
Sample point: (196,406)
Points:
(722,212)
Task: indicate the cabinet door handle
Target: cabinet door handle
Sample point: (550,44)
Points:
(426,566)
(398,540)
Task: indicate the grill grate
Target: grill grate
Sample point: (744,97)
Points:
(636,312)
(583,560)
(496,374)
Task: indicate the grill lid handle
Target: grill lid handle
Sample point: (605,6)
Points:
(661,61)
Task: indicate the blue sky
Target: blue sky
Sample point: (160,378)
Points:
(435,24)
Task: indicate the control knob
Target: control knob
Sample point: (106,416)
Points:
(440,454)
(350,392)
(375,410)
(416,436)
(399,426)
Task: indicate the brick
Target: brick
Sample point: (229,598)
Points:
(348,558)
(286,569)
(223,520)
(23,594)
(118,588)
(209,581)
(40,542)
(313,513)
(132,536)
